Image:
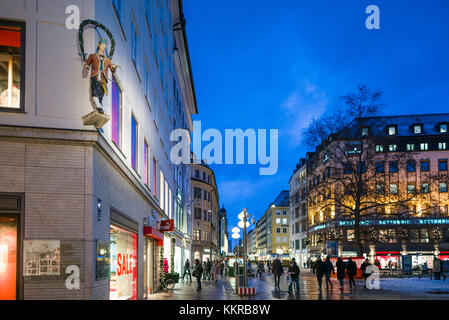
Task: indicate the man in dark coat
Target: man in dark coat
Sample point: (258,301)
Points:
(329,269)
(208,269)
(187,270)
(319,269)
(278,270)
(198,272)
(341,272)
(351,270)
(363,267)
(293,272)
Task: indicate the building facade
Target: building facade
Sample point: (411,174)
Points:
(400,165)
(74,198)
(205,209)
(298,213)
(223,234)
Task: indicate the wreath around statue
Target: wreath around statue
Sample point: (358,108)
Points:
(97,25)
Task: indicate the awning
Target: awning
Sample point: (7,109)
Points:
(155,234)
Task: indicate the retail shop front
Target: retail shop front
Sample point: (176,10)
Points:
(153,240)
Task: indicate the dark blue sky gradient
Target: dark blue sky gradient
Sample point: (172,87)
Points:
(268,64)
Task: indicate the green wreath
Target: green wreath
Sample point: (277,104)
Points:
(97,25)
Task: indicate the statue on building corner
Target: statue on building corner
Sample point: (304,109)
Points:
(100,65)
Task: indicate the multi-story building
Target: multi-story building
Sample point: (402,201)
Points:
(383,181)
(251,243)
(76,198)
(223,235)
(273,229)
(261,238)
(298,213)
(205,209)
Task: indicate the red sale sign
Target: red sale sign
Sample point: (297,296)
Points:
(167,225)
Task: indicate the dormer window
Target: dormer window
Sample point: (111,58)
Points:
(391,130)
(365,132)
(443,128)
(417,129)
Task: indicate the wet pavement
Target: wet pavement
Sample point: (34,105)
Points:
(224,290)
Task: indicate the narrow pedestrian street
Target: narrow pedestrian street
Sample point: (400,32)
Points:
(224,290)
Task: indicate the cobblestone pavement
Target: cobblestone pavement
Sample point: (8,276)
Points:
(224,290)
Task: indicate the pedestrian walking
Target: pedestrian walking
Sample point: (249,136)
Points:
(222,266)
(319,270)
(363,267)
(278,270)
(293,272)
(351,270)
(329,269)
(341,272)
(208,269)
(269,266)
(187,270)
(436,268)
(226,267)
(204,270)
(198,272)
(215,271)
(259,269)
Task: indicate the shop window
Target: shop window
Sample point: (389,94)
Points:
(12,70)
(123,280)
(350,235)
(424,238)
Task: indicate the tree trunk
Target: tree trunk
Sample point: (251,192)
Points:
(357,233)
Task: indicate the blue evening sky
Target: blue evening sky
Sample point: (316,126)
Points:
(267,64)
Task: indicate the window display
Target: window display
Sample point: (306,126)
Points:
(123,251)
(8,258)
(42,258)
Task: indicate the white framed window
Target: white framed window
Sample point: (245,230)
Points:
(424,146)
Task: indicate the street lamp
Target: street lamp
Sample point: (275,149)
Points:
(244,223)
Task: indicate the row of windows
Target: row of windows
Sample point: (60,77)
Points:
(411,188)
(206,214)
(206,177)
(197,192)
(282,239)
(422,146)
(284,213)
(283,220)
(199,235)
(281,230)
(392,130)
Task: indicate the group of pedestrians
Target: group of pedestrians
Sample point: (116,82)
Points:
(205,271)
(326,268)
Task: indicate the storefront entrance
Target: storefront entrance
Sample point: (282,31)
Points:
(150,265)
(8,257)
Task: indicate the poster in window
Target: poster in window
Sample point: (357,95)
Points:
(42,257)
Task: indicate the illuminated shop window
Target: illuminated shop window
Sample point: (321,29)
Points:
(12,65)
(133,143)
(116,113)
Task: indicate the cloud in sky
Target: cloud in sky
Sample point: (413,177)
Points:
(306,102)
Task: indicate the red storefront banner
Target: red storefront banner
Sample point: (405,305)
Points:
(155,234)
(167,225)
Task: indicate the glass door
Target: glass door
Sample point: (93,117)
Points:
(8,258)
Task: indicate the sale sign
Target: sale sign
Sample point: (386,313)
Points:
(167,225)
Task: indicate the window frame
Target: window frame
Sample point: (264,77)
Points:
(22,26)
